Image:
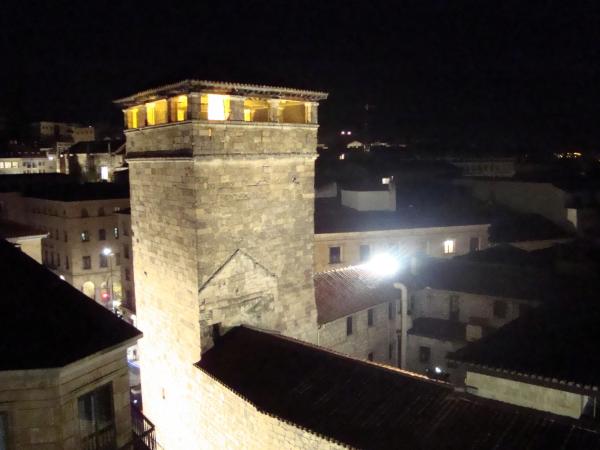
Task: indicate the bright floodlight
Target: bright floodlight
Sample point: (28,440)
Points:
(383,264)
(106,251)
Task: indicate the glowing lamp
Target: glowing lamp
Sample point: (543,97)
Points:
(383,264)
(106,251)
(105,296)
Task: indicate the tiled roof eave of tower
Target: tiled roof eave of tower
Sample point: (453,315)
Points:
(220,87)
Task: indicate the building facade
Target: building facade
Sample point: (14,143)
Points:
(26,162)
(335,250)
(83,238)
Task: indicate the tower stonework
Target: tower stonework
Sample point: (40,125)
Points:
(222,206)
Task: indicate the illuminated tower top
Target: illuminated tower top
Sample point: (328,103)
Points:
(219,101)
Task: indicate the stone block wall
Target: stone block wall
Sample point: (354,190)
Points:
(244,189)
(41,405)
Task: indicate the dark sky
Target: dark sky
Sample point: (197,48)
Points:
(515,74)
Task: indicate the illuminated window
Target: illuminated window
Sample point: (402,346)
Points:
(218,107)
(182,103)
(160,111)
(151,113)
(104,173)
(371,317)
(449,246)
(132,118)
(258,110)
(85,236)
(15,164)
(348,326)
(116,232)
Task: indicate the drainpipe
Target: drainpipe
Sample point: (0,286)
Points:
(403,322)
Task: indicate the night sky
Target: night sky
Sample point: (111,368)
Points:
(482,75)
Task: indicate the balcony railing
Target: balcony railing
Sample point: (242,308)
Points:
(144,436)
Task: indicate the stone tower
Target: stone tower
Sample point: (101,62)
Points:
(222,199)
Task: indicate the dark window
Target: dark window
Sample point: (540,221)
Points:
(56,235)
(424,354)
(101,234)
(3,431)
(125,251)
(524,308)
(365,252)
(84,213)
(474,244)
(335,255)
(66,262)
(454,307)
(116,232)
(87,262)
(450,363)
(411,304)
(391,351)
(117,259)
(370,356)
(125,231)
(65,236)
(97,419)
(500,309)
(101,211)
(371,317)
(390,310)
(348,326)
(127,274)
(103,260)
(58,259)
(52,259)
(85,236)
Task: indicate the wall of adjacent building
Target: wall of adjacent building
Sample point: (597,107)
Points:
(41,405)
(408,242)
(526,197)
(365,339)
(529,395)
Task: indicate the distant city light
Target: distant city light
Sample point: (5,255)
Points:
(383,264)
(342,156)
(437,370)
(385,180)
(346,133)
(62,277)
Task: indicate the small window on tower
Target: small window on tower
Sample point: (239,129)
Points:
(348,326)
(335,255)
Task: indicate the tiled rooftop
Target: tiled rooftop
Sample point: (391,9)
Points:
(342,292)
(365,405)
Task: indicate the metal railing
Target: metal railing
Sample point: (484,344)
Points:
(144,435)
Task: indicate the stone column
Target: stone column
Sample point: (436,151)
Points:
(141,116)
(236,104)
(193,108)
(312,112)
(273,110)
